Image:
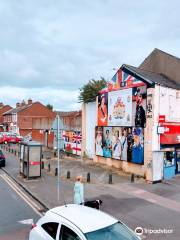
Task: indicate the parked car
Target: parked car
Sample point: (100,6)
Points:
(77,222)
(8,137)
(2,159)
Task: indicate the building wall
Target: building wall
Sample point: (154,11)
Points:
(89,121)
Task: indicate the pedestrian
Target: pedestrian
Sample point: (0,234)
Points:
(78,191)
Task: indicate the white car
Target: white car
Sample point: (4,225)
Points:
(76,222)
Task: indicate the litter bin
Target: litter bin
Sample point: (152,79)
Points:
(30,159)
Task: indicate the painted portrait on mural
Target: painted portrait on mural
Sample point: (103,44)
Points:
(123,140)
(120,108)
(116,143)
(139,106)
(99,141)
(107,142)
(102,109)
(130,143)
(138,146)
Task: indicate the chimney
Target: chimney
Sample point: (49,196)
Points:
(1,104)
(17,104)
(30,101)
(23,103)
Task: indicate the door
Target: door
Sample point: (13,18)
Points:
(66,233)
(177,160)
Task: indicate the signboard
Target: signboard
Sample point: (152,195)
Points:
(162,118)
(171,134)
(120,108)
(72,141)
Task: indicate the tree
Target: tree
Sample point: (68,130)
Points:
(49,106)
(90,90)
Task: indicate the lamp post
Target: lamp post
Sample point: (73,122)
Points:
(58,155)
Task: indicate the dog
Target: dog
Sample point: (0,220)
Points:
(93,203)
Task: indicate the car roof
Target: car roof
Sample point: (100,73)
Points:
(85,218)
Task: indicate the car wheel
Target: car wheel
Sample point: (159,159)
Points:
(5,142)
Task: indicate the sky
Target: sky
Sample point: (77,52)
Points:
(51,48)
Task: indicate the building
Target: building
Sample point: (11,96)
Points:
(31,119)
(137,119)
(3,109)
(70,125)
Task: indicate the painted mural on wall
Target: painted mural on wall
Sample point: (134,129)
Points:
(121,143)
(103,109)
(123,80)
(72,142)
(120,108)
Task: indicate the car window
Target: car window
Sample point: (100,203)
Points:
(67,234)
(51,228)
(117,231)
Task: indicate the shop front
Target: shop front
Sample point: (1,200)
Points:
(170,143)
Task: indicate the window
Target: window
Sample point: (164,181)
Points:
(168,159)
(51,228)
(68,234)
(116,231)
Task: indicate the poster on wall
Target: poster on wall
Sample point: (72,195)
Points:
(120,108)
(139,96)
(99,141)
(72,142)
(121,143)
(107,142)
(102,109)
(137,145)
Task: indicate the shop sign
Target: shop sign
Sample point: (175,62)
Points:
(162,118)
(160,130)
(171,134)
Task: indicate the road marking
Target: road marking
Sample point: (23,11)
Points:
(26,221)
(21,194)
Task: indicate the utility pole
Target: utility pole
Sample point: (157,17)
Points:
(58,155)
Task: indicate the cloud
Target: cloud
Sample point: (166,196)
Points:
(52,44)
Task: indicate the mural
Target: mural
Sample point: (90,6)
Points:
(72,142)
(120,108)
(103,109)
(99,141)
(121,143)
(139,106)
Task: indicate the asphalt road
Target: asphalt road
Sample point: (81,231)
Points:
(12,210)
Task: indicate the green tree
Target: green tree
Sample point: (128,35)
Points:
(49,106)
(90,90)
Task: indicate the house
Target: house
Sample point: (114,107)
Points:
(31,119)
(138,119)
(3,109)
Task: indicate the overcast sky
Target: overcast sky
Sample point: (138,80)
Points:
(50,48)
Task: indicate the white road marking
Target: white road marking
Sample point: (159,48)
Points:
(26,221)
(21,194)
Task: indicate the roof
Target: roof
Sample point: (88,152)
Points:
(150,77)
(69,114)
(163,63)
(85,218)
(18,109)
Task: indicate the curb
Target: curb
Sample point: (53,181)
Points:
(46,208)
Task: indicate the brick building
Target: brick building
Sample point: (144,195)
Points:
(32,118)
(3,109)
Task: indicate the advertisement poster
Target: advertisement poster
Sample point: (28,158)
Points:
(120,108)
(72,142)
(139,106)
(102,109)
(107,142)
(99,141)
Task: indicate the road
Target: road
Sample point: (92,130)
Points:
(13,209)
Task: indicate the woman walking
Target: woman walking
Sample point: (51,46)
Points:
(78,191)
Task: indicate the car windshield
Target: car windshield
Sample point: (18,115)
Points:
(117,231)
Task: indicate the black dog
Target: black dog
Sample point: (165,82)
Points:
(93,204)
